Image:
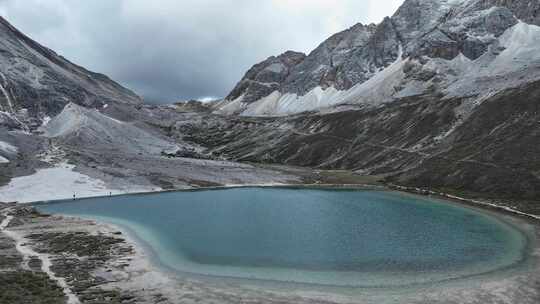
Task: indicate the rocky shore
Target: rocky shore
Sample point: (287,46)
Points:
(65,253)
(54,259)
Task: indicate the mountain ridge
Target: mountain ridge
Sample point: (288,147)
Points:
(454,109)
(36,82)
(429,35)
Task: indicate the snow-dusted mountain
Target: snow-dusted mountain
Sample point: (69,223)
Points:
(36,83)
(65,130)
(446,48)
(442,95)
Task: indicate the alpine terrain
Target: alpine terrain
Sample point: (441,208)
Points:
(442,98)
(443,95)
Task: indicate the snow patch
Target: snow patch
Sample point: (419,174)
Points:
(46,121)
(230,107)
(511,60)
(8,148)
(4,91)
(382,87)
(5,222)
(522,46)
(507,64)
(56,183)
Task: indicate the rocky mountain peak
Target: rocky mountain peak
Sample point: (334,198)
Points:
(527,11)
(35,82)
(426,47)
(296,72)
(265,77)
(326,66)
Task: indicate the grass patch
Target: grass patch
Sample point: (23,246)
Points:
(28,287)
(348,177)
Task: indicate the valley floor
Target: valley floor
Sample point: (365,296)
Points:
(65,181)
(46,259)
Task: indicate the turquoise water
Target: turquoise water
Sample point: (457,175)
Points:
(329,237)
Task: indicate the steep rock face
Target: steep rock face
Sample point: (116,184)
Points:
(526,10)
(415,18)
(327,65)
(487,151)
(35,82)
(442,43)
(265,77)
(379,50)
(467,32)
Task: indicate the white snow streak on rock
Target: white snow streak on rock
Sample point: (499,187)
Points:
(8,148)
(46,120)
(230,107)
(4,91)
(5,222)
(508,63)
(378,89)
(522,42)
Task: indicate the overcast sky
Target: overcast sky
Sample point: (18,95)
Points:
(170,50)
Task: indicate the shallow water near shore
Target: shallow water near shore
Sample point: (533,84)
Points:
(343,238)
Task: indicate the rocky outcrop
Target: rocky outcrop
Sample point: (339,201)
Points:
(328,64)
(485,151)
(265,77)
(35,82)
(434,33)
(526,10)
(463,81)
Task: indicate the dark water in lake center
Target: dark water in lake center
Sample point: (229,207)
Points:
(344,238)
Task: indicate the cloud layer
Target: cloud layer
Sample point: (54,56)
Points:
(171,50)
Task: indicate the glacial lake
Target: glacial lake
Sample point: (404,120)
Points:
(346,238)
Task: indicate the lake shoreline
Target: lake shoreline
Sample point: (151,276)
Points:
(479,203)
(143,237)
(147,256)
(141,268)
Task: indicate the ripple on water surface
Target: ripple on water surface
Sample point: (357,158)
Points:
(330,237)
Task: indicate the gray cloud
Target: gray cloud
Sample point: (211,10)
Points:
(170,50)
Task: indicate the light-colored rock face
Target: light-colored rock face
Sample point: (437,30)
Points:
(84,127)
(450,48)
(265,77)
(37,81)
(527,11)
(329,64)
